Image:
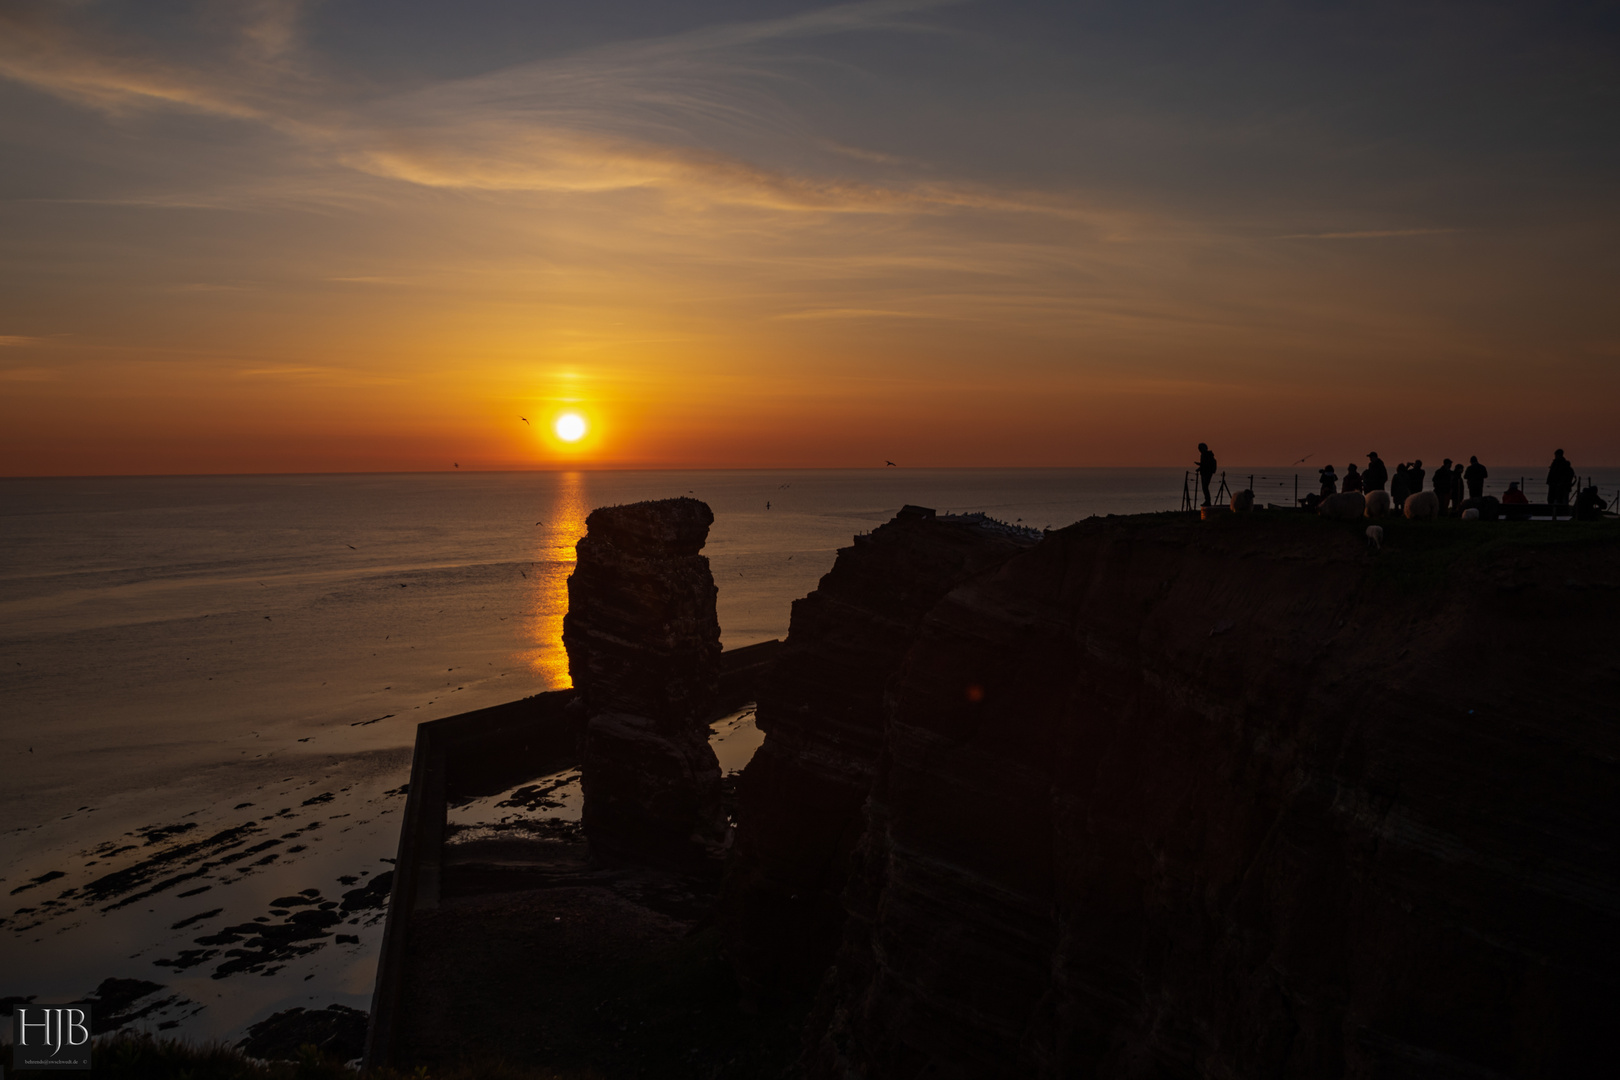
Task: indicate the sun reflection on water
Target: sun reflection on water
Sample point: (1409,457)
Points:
(554,561)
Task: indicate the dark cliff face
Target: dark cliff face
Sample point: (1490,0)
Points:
(1238,800)
(822,713)
(644,651)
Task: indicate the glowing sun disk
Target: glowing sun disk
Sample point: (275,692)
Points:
(570,427)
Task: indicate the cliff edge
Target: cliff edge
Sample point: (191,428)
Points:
(1243,799)
(822,711)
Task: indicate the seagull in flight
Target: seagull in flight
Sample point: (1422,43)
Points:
(457,464)
(887,462)
(525,419)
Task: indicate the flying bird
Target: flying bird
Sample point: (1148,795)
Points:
(457,464)
(351,547)
(1303,460)
(525,419)
(886,462)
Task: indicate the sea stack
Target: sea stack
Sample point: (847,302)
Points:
(643,647)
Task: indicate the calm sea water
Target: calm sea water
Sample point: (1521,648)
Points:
(181,657)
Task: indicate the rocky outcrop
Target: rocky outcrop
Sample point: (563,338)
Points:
(822,713)
(1233,800)
(643,647)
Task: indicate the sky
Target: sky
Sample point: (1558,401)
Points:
(355,235)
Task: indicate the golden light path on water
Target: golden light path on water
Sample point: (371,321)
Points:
(554,561)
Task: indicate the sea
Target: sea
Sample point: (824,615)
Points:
(210,686)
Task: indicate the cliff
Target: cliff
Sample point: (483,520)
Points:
(643,647)
(821,710)
(1237,799)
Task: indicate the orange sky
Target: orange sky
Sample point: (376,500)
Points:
(751,242)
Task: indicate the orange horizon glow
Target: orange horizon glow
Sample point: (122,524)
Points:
(231,252)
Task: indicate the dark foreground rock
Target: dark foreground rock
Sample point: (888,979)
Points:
(822,711)
(644,652)
(1241,800)
(337,1031)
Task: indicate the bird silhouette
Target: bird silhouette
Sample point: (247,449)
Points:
(525,419)
(457,464)
(888,462)
(1303,460)
(351,547)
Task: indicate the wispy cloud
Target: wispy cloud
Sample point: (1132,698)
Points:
(13,340)
(636,115)
(1367,234)
(47,48)
(855,313)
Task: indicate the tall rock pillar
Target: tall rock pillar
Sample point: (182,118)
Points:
(644,651)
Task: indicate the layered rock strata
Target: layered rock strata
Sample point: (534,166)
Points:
(643,647)
(821,709)
(1237,800)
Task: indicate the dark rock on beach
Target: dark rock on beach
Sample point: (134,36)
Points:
(337,1031)
(644,653)
(120,1002)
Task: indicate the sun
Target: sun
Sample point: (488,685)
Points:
(570,427)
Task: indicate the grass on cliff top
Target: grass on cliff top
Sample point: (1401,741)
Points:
(141,1057)
(1428,553)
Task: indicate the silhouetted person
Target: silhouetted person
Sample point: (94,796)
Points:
(1441,484)
(1415,474)
(1588,507)
(1400,486)
(1475,474)
(1513,496)
(1352,478)
(1375,475)
(1206,468)
(1330,480)
(1560,479)
(1457,486)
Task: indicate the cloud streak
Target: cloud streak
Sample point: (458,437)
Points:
(623,117)
(1367,234)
